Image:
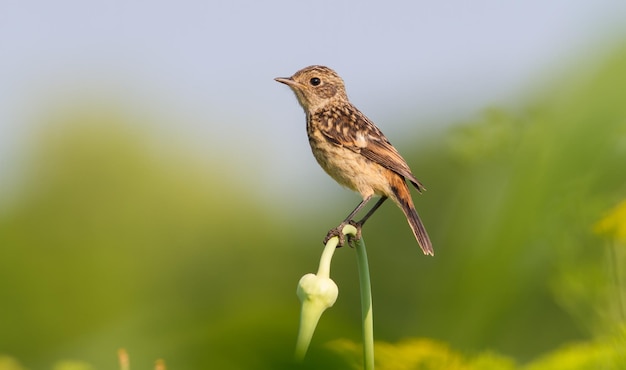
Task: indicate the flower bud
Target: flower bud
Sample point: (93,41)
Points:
(318,291)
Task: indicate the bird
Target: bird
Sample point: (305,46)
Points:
(353,150)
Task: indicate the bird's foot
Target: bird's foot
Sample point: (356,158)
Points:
(352,239)
(358,226)
(338,232)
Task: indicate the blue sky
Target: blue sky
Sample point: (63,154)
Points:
(209,65)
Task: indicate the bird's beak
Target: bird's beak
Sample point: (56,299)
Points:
(286,80)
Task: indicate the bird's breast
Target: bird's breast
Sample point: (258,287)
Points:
(349,168)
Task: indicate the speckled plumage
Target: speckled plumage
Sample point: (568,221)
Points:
(350,148)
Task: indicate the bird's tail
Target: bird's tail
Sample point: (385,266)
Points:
(402,197)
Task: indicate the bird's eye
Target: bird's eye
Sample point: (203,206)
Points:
(315,81)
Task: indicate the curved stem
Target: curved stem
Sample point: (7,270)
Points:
(312,306)
(327,256)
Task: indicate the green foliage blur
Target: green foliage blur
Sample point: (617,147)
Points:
(112,241)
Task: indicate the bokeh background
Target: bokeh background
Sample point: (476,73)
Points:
(157,192)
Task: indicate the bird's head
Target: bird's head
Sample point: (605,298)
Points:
(316,87)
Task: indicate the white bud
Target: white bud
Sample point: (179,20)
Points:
(319,291)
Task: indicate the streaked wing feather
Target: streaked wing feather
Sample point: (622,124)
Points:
(362,136)
(383,153)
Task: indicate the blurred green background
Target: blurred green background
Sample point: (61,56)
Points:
(116,231)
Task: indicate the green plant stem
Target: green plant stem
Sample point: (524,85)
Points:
(367,312)
(313,306)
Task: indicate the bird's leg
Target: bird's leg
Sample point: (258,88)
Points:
(338,231)
(371,212)
(359,224)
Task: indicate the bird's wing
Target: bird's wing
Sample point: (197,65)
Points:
(356,132)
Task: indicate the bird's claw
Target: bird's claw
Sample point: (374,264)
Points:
(358,226)
(338,232)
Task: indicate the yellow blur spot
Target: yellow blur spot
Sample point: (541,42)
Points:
(614,223)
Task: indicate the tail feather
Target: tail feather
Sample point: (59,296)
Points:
(402,197)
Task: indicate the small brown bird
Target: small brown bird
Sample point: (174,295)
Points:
(352,150)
